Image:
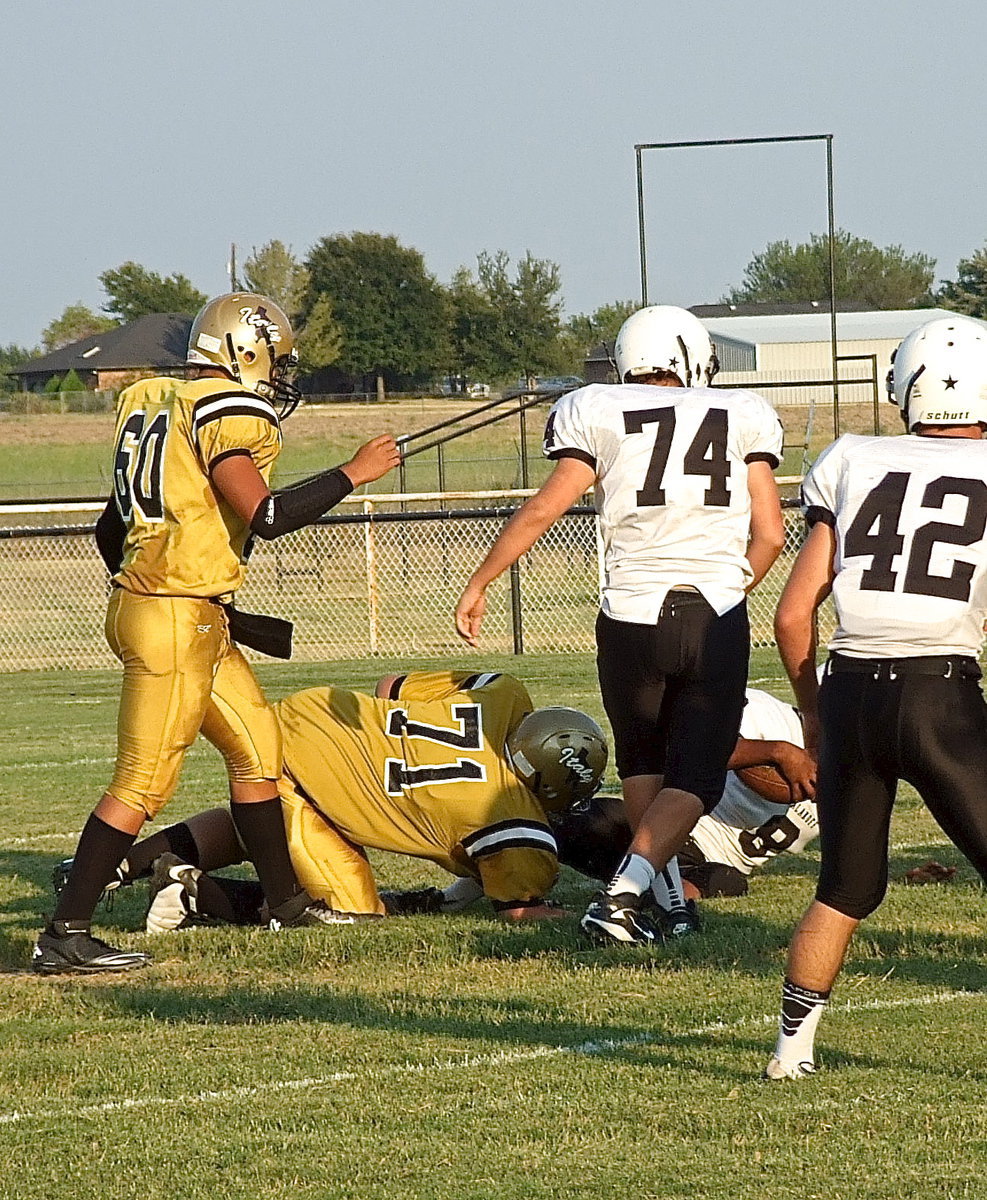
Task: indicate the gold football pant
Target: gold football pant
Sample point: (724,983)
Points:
(329,866)
(182,674)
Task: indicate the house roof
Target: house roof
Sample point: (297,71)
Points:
(157,340)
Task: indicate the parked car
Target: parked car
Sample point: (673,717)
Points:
(552,383)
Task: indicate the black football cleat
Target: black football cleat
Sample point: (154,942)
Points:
(60,876)
(77,952)
(680,922)
(302,910)
(619,920)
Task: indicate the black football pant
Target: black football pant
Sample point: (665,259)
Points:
(928,730)
(674,692)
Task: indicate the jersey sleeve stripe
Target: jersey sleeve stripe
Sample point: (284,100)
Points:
(572,452)
(232,404)
(227,454)
(479,681)
(816,513)
(761,456)
(507,835)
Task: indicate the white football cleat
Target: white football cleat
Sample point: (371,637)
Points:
(776,1069)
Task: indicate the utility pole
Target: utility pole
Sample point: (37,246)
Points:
(234,284)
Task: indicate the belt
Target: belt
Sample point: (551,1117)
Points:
(941,666)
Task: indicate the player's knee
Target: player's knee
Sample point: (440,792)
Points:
(723,880)
(857,907)
(712,879)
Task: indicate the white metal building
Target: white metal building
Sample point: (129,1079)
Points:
(797,345)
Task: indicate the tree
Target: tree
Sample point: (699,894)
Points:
(76,322)
(968,292)
(71,382)
(274,271)
(11,356)
(587,331)
(506,325)
(887,278)
(391,311)
(319,340)
(529,312)
(473,337)
(134,291)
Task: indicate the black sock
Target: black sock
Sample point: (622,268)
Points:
(176,839)
(261,829)
(101,849)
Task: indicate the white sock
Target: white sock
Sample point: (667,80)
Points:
(801,1009)
(634,875)
(667,886)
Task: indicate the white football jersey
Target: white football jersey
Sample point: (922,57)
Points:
(745,830)
(910,515)
(671,492)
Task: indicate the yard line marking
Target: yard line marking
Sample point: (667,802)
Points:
(60,762)
(455,1064)
(35,839)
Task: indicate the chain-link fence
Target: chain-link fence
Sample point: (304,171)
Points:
(382,577)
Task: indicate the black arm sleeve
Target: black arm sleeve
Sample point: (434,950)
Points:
(110,534)
(301,504)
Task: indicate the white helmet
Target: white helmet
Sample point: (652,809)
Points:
(665,338)
(938,374)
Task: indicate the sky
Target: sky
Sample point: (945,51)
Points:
(161,133)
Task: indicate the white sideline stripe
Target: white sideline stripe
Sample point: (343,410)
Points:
(470,1060)
(65,762)
(37,839)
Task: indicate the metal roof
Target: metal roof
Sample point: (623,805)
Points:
(889,325)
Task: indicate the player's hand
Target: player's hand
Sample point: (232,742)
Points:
(798,769)
(469,613)
(374,459)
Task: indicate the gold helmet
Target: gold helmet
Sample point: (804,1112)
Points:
(560,754)
(250,338)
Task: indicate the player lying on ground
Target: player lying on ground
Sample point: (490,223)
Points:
(898,534)
(447,766)
(766,809)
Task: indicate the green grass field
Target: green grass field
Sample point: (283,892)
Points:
(456,1057)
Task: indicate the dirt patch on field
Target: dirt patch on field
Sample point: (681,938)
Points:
(60,429)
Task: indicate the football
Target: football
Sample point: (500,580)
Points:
(768,782)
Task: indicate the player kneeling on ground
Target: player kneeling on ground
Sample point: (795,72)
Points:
(451,767)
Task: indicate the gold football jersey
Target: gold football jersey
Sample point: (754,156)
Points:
(182,538)
(425,777)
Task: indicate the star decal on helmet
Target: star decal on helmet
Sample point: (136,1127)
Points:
(950,383)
